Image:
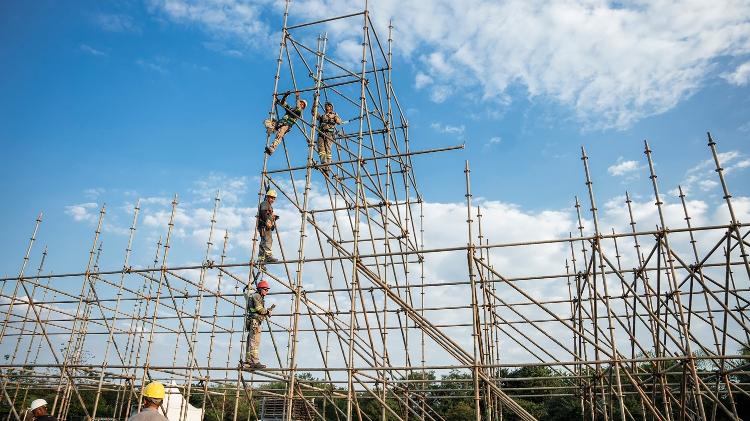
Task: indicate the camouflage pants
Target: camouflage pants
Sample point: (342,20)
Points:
(266,242)
(252,346)
(325,140)
(280,133)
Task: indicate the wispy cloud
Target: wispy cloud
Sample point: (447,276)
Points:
(611,64)
(740,76)
(224,19)
(91,50)
(82,211)
(231,189)
(703,176)
(157,65)
(421,80)
(448,129)
(93,193)
(623,167)
(222,48)
(116,23)
(495,140)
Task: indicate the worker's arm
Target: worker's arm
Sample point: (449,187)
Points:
(282,101)
(262,310)
(258,306)
(266,216)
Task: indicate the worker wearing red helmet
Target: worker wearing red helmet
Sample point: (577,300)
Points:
(256,314)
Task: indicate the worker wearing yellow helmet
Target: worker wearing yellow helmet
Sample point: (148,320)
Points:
(266,225)
(153,396)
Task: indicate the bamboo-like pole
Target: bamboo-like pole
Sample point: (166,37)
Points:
(655,338)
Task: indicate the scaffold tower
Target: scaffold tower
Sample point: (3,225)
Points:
(649,323)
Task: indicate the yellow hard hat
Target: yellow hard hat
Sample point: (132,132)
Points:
(154,390)
(271,193)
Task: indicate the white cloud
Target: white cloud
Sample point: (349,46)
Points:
(623,167)
(239,19)
(448,129)
(737,166)
(91,50)
(158,64)
(439,94)
(421,80)
(444,227)
(740,76)
(703,175)
(611,64)
(93,193)
(116,23)
(495,140)
(222,48)
(231,188)
(707,184)
(82,211)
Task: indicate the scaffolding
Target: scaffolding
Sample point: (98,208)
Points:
(365,321)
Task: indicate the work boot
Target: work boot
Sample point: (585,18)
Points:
(270,125)
(271,259)
(258,366)
(268,150)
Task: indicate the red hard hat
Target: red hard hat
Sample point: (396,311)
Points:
(263,284)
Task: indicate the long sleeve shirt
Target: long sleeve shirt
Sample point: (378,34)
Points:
(292,113)
(327,122)
(266,218)
(256,306)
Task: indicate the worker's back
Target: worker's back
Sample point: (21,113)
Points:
(148,414)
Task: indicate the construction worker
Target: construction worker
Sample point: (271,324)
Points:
(282,126)
(266,225)
(256,313)
(326,129)
(153,396)
(38,409)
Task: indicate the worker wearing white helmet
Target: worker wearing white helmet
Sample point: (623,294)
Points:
(153,396)
(38,409)
(282,126)
(266,225)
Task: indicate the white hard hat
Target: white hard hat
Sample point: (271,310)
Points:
(37,403)
(271,193)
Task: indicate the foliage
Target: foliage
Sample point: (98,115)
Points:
(542,391)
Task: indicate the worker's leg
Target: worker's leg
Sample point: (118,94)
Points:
(252,347)
(321,147)
(266,242)
(328,143)
(279,136)
(324,147)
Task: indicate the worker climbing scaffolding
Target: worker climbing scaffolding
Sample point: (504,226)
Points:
(283,125)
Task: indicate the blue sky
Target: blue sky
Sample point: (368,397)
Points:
(113,101)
